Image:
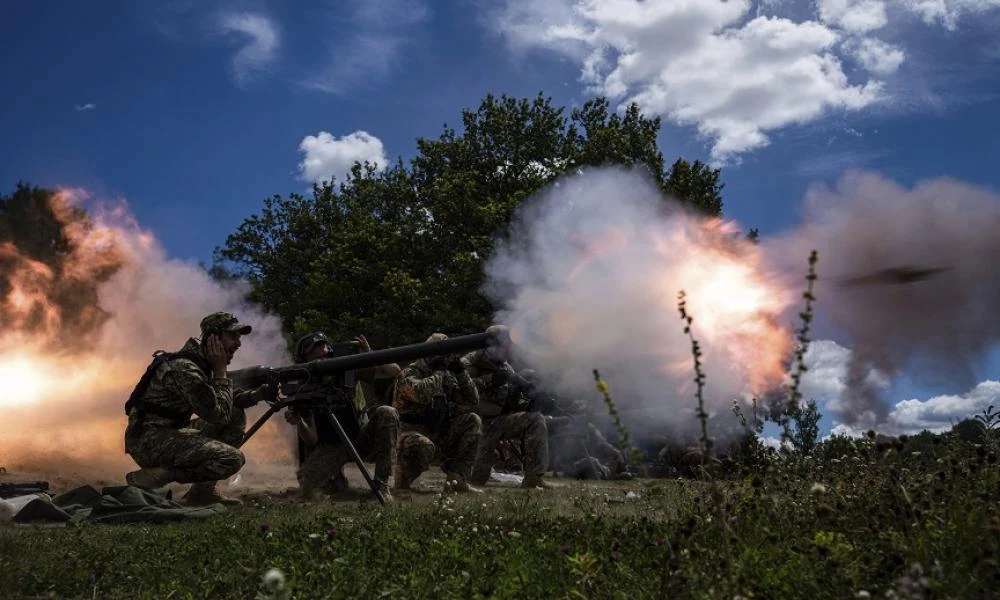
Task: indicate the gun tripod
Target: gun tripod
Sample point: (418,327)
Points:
(274,407)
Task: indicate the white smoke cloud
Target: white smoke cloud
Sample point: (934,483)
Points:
(590,279)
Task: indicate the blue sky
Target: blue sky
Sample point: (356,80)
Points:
(197,111)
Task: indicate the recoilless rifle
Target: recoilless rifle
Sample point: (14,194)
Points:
(341,368)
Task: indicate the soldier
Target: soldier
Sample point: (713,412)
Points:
(161,436)
(436,401)
(372,427)
(502,408)
(577,448)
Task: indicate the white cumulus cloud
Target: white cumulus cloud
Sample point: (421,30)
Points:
(936,414)
(726,67)
(260,47)
(328,156)
(878,57)
(857,16)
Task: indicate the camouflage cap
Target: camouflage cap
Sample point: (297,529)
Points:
(307,342)
(224,321)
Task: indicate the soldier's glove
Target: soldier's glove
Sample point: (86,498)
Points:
(456,366)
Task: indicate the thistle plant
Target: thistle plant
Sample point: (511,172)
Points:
(802,336)
(699,375)
(626,445)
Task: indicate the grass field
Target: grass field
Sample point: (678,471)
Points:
(921,521)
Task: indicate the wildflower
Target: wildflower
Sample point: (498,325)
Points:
(265,527)
(818,488)
(514,534)
(566,548)
(274,579)
(863,594)
(331,533)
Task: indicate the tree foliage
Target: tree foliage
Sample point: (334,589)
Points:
(397,253)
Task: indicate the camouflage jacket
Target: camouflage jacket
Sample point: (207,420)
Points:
(495,394)
(181,387)
(417,384)
(375,389)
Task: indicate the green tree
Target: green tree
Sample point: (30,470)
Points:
(398,253)
(806,434)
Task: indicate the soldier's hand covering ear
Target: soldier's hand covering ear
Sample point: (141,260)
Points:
(216,354)
(456,366)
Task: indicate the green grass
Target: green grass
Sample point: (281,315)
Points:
(922,521)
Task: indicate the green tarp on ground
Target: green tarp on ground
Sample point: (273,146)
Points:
(117,504)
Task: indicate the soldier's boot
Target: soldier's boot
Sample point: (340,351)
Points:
(458,483)
(536,481)
(204,493)
(337,484)
(383,487)
(401,479)
(150,479)
(481,475)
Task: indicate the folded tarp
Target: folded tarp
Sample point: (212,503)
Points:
(116,504)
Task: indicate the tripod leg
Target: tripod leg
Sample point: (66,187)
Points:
(357,458)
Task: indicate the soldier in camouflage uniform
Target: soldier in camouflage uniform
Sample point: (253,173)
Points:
(577,448)
(502,409)
(372,426)
(436,401)
(161,436)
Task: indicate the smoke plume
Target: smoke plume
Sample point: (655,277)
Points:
(589,279)
(68,361)
(908,276)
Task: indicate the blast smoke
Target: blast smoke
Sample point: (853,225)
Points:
(880,247)
(63,399)
(589,278)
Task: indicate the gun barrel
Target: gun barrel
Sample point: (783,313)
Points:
(252,377)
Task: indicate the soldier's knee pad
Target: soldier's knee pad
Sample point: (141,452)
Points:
(386,416)
(536,423)
(231,462)
(470,422)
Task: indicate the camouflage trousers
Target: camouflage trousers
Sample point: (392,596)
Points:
(457,448)
(377,442)
(199,452)
(585,454)
(525,427)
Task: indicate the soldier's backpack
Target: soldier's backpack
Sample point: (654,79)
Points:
(135,400)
